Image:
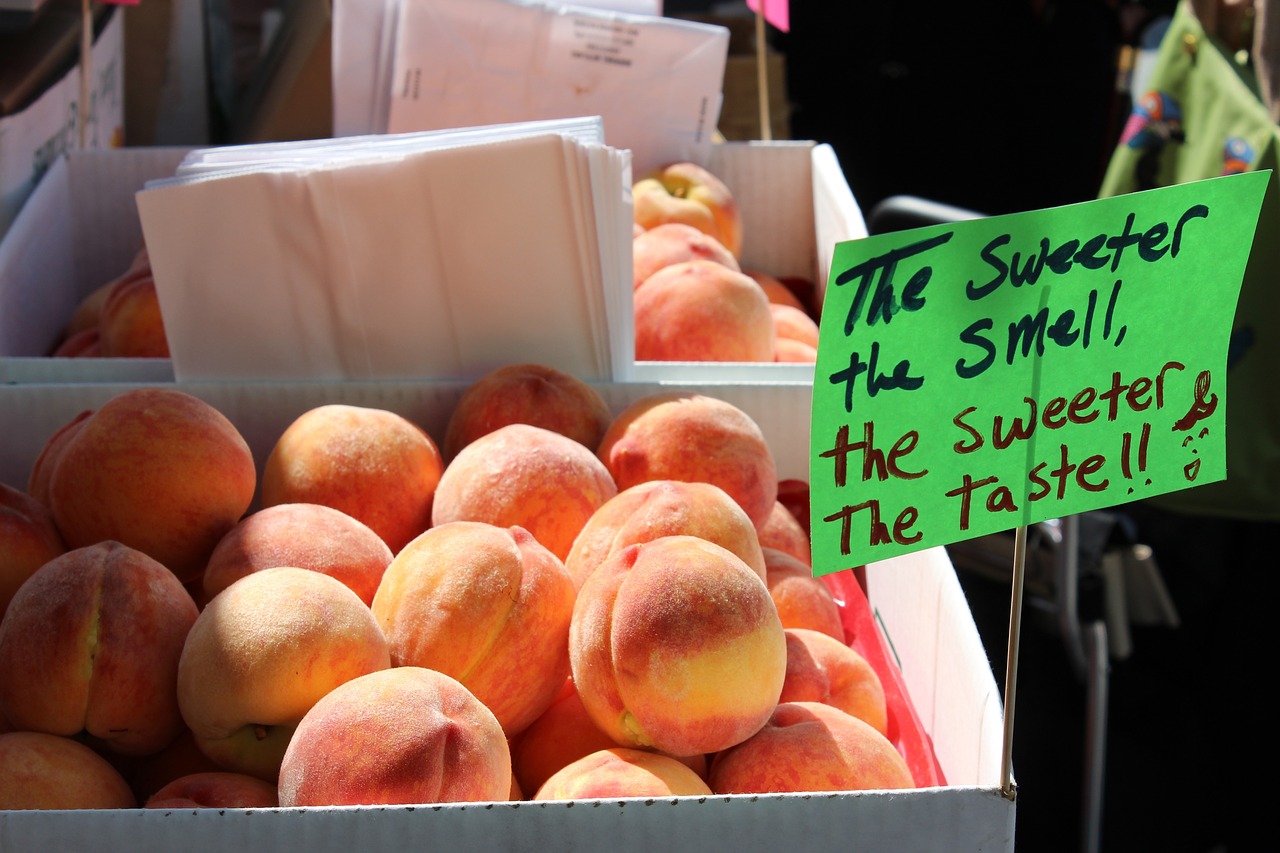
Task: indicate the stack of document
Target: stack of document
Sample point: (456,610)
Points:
(413,65)
(435,255)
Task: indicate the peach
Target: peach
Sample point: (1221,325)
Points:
(216,789)
(782,531)
(790,351)
(793,493)
(525,476)
(86,343)
(777,292)
(810,746)
(562,734)
(403,735)
(694,437)
(689,193)
(149,773)
(676,646)
(89,646)
(662,508)
(532,394)
(157,469)
(28,540)
(88,310)
(130,324)
(42,468)
(261,653)
(794,323)
(622,772)
(702,311)
(487,605)
(803,601)
(671,243)
(45,771)
(308,536)
(375,465)
(823,669)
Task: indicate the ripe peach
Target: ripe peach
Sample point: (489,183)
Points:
(217,789)
(674,242)
(777,292)
(28,540)
(147,774)
(88,310)
(793,493)
(90,646)
(45,771)
(823,669)
(261,653)
(129,323)
(561,734)
(686,435)
(794,323)
(403,735)
(676,646)
(702,311)
(803,601)
(156,469)
(308,536)
(525,476)
(531,394)
(790,351)
(42,468)
(487,605)
(810,746)
(662,508)
(86,343)
(689,193)
(375,465)
(622,772)
(783,532)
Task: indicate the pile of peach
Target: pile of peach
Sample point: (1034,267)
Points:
(693,299)
(555,602)
(118,319)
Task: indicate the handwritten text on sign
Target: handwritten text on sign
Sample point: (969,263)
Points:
(981,375)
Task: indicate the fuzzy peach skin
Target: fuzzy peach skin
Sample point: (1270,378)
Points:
(794,323)
(622,772)
(308,536)
(783,532)
(44,771)
(90,646)
(217,789)
(562,734)
(129,323)
(28,540)
(671,243)
(793,493)
(823,669)
(533,394)
(777,292)
(788,351)
(261,653)
(810,746)
(682,435)
(525,476)
(156,469)
(42,468)
(663,508)
(676,646)
(689,193)
(375,465)
(702,311)
(487,605)
(403,735)
(803,601)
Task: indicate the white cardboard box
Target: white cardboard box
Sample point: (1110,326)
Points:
(80,229)
(917,599)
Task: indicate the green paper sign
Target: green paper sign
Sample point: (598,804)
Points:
(983,375)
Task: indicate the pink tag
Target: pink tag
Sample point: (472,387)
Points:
(776,12)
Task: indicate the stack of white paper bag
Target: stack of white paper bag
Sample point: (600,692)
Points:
(409,65)
(418,255)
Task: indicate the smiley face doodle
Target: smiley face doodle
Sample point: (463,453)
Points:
(1204,405)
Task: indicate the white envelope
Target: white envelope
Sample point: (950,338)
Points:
(384,263)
